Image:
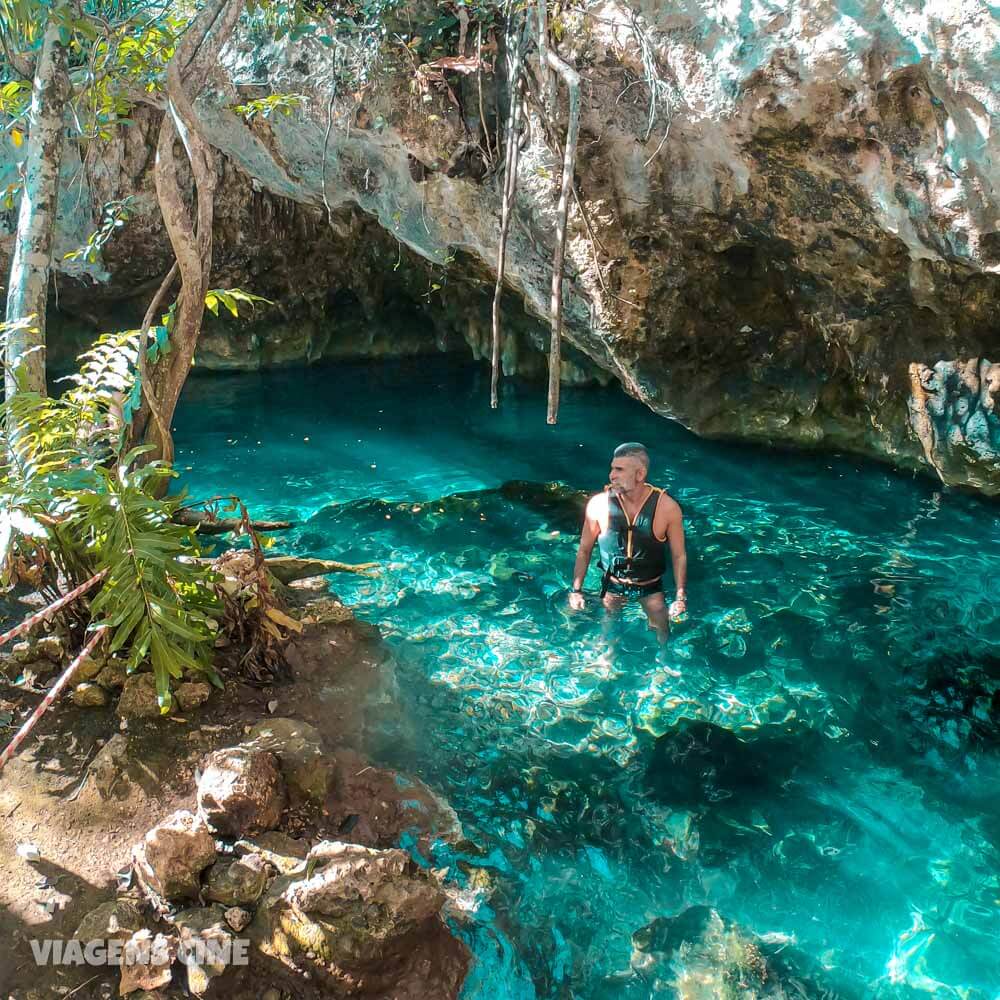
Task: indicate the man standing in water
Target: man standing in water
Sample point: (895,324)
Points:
(632,523)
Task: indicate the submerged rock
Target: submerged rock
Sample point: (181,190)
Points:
(700,762)
(700,955)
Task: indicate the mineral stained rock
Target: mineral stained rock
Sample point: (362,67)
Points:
(790,230)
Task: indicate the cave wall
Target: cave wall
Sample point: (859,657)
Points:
(791,234)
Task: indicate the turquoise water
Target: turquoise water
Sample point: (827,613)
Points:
(815,755)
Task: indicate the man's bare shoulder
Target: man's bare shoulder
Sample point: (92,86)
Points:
(668,505)
(597,506)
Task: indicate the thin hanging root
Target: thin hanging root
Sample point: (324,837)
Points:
(513,153)
(572,80)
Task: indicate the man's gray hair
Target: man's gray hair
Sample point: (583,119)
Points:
(632,449)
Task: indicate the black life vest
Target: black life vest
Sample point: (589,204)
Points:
(629,549)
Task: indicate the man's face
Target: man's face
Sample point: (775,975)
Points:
(627,473)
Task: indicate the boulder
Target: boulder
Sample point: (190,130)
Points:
(297,745)
(241,791)
(236,883)
(191,694)
(173,855)
(89,695)
(138,700)
(348,910)
(375,806)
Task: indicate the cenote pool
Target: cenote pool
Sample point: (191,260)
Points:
(814,759)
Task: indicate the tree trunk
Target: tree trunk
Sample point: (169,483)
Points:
(191,238)
(27,291)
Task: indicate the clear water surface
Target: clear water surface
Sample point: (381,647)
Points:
(815,755)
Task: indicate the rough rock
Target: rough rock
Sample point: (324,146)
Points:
(22,652)
(89,695)
(113,675)
(109,764)
(298,747)
(375,806)
(51,646)
(285,853)
(241,791)
(238,918)
(88,668)
(206,926)
(150,967)
(366,912)
(138,699)
(794,221)
(119,918)
(191,694)
(173,855)
(238,882)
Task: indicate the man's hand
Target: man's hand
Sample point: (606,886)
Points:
(679,606)
(576,600)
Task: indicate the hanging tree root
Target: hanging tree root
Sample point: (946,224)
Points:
(513,153)
(190,237)
(572,80)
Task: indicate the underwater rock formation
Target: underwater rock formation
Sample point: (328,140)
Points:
(791,230)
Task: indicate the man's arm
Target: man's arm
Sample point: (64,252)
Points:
(668,524)
(588,539)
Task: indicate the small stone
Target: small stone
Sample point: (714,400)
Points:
(241,791)
(109,764)
(113,675)
(191,694)
(237,918)
(29,852)
(88,668)
(138,700)
(89,695)
(51,646)
(22,652)
(240,882)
